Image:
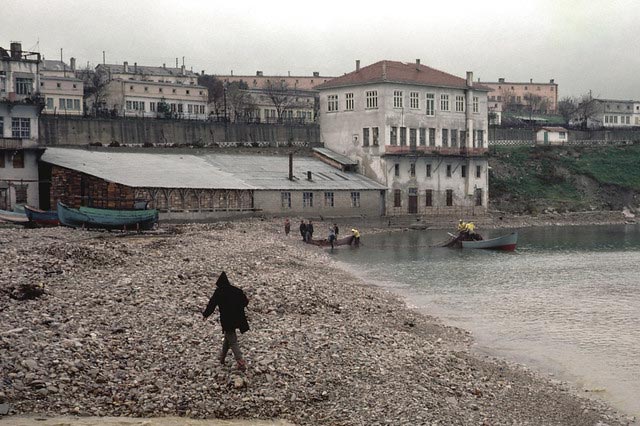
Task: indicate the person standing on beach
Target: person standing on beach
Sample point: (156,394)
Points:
(336,230)
(231,302)
(332,236)
(309,231)
(303,230)
(287,227)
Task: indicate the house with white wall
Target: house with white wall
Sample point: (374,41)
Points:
(420,132)
(20,106)
(63,93)
(551,135)
(145,91)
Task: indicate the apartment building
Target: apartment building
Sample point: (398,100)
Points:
(519,96)
(419,131)
(144,91)
(614,113)
(63,93)
(20,105)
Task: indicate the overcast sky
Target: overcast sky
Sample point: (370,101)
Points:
(583,45)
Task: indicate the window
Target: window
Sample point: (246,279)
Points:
(76,104)
(49,103)
(432,136)
(478,171)
(128,105)
(20,128)
(475,104)
(480,138)
(2,133)
(478,196)
(355,199)
(459,103)
(180,108)
(448,170)
(57,85)
(397,98)
(414,99)
(396,169)
(2,165)
(69,103)
(449,197)
(428,198)
(403,136)
(429,170)
(463,171)
(463,138)
(562,135)
(62,103)
(285,198)
(454,137)
(445,137)
(190,108)
(188,92)
(21,194)
(423,136)
(397,198)
(412,170)
(393,139)
(431,104)
(3,82)
(24,86)
(371,99)
(413,137)
(307,199)
(152,106)
(328,199)
(332,103)
(444,102)
(365,136)
(18,160)
(375,135)
(348,102)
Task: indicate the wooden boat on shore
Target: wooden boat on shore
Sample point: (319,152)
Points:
(42,217)
(89,217)
(345,241)
(13,217)
(504,242)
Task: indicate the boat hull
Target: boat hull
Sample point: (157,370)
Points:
(87,217)
(41,217)
(505,242)
(346,241)
(12,217)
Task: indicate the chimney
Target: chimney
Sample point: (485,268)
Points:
(182,70)
(258,74)
(418,63)
(309,175)
(384,70)
(16,50)
(530,80)
(289,73)
(164,65)
(126,66)
(501,80)
(357,65)
(72,62)
(290,166)
(552,81)
(202,72)
(135,67)
(316,74)
(469,78)
(176,62)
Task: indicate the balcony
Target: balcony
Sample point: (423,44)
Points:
(434,150)
(17,143)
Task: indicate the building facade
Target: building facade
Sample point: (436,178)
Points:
(63,93)
(420,132)
(143,91)
(261,81)
(20,106)
(519,97)
(613,113)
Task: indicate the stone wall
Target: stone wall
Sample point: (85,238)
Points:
(58,130)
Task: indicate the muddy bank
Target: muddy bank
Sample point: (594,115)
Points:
(118,332)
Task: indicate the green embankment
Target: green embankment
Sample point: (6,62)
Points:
(535,179)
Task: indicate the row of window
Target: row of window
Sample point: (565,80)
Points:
(24,86)
(428,198)
(371,102)
(613,119)
(146,89)
(450,170)
(16,158)
(141,106)
(307,199)
(59,85)
(424,137)
(64,103)
(20,127)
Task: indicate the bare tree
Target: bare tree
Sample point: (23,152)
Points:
(280,95)
(215,87)
(95,81)
(586,110)
(239,100)
(567,107)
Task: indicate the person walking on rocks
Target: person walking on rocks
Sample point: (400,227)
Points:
(309,231)
(231,302)
(303,230)
(287,227)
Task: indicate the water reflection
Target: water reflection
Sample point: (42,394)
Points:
(568,297)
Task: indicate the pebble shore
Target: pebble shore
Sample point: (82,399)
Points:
(109,324)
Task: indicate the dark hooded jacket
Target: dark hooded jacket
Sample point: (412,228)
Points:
(231,302)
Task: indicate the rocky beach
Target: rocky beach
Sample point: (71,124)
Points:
(109,325)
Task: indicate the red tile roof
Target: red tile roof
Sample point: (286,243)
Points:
(399,72)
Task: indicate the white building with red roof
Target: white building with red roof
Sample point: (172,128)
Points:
(419,131)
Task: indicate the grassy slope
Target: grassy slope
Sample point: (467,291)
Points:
(530,179)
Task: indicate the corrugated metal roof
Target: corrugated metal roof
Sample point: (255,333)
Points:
(220,171)
(339,158)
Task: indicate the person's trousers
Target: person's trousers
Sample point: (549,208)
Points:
(230,341)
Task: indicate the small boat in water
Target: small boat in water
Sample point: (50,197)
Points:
(345,241)
(89,217)
(42,217)
(505,242)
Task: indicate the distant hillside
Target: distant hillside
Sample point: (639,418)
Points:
(537,179)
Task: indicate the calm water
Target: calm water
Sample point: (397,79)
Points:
(566,302)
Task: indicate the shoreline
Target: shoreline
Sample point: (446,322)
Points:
(325,347)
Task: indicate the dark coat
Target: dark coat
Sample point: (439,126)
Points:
(303,229)
(231,302)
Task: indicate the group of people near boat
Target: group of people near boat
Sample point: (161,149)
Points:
(467,231)
(307,230)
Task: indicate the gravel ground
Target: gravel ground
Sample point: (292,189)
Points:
(117,331)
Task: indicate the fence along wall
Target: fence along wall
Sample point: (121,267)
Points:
(503,134)
(138,131)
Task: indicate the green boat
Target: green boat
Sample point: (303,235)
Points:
(89,217)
